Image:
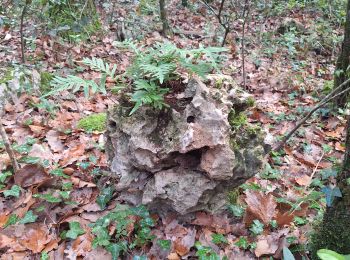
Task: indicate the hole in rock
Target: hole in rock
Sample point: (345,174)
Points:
(112,124)
(190,160)
(190,119)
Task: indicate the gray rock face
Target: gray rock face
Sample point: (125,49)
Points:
(185,158)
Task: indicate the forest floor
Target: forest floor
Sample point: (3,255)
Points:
(289,66)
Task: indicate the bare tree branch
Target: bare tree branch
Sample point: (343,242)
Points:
(333,94)
(24,10)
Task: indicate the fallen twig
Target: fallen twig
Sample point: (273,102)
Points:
(8,147)
(324,101)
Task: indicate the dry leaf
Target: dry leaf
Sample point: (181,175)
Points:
(173,256)
(264,247)
(304,180)
(260,206)
(54,141)
(31,174)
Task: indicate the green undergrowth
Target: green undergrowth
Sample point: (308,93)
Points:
(94,122)
(132,230)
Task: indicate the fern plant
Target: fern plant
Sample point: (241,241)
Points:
(164,61)
(148,93)
(75,83)
(151,68)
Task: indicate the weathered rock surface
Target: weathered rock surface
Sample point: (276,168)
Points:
(187,157)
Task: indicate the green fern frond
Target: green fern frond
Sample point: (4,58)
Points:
(148,93)
(74,84)
(159,72)
(99,65)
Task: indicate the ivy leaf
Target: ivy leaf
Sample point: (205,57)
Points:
(242,243)
(29,217)
(12,220)
(75,230)
(14,191)
(65,194)
(331,194)
(30,160)
(105,196)
(236,210)
(101,236)
(48,197)
(330,172)
(218,239)
(59,172)
(257,227)
(44,256)
(116,248)
(4,175)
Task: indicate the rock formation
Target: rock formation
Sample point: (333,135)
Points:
(184,158)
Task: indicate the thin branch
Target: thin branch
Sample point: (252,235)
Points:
(211,9)
(324,101)
(8,147)
(24,10)
(224,24)
(246,10)
(221,7)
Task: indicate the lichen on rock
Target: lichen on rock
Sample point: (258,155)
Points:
(182,159)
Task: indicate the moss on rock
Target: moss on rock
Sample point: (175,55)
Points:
(94,122)
(237,120)
(232,196)
(332,233)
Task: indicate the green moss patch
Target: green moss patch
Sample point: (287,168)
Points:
(332,233)
(237,120)
(94,122)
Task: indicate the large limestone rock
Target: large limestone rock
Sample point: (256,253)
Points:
(187,157)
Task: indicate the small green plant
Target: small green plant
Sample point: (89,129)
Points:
(15,191)
(132,230)
(93,122)
(164,244)
(242,243)
(219,239)
(3,178)
(48,197)
(105,196)
(149,75)
(74,231)
(257,227)
(29,217)
(205,252)
(148,93)
(236,210)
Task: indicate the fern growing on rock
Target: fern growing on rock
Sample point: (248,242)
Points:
(151,69)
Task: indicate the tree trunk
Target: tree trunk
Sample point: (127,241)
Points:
(343,62)
(333,233)
(164,17)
